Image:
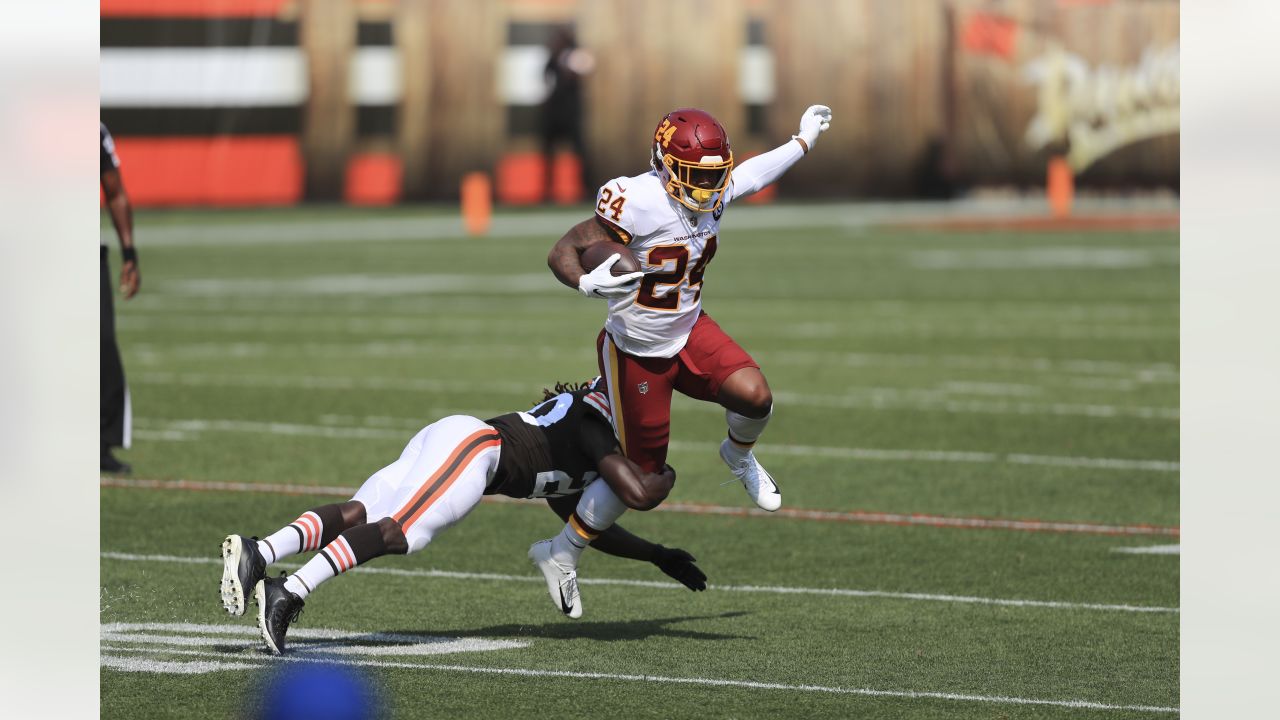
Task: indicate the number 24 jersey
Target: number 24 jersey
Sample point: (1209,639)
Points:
(673,245)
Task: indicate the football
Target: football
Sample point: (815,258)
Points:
(599,252)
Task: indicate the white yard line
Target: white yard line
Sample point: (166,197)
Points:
(180,429)
(1096,374)
(383,324)
(1150,550)
(149,665)
(764,589)
(851,218)
(865,398)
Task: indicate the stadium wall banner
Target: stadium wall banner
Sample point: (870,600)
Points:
(376,102)
(1094,111)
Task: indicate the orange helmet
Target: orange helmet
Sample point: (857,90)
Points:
(692,157)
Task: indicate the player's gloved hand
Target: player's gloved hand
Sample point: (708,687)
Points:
(815,121)
(601,283)
(679,564)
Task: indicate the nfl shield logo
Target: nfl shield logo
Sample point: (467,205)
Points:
(643,387)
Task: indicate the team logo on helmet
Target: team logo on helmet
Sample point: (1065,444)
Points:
(691,155)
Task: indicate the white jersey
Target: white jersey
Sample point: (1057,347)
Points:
(674,245)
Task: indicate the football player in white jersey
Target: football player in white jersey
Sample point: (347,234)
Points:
(656,337)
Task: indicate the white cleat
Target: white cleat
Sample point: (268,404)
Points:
(758,482)
(562,583)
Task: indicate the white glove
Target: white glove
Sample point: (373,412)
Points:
(601,283)
(815,121)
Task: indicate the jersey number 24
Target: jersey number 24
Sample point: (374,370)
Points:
(673,277)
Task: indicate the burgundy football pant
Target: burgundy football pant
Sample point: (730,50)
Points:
(640,387)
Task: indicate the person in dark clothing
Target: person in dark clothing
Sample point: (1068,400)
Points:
(564,449)
(567,64)
(114,410)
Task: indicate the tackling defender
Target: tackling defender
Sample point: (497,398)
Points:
(555,451)
(657,338)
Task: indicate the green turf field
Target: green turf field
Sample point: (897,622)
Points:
(988,419)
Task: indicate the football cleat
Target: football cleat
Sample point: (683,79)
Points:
(758,482)
(562,583)
(242,567)
(277,607)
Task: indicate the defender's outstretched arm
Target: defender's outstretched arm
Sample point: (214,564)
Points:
(619,542)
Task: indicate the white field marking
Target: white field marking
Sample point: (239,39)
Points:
(849,218)
(377,285)
(199,310)
(969,387)
(922,329)
(934,401)
(1043,258)
(1150,550)
(383,324)
(320,382)
(157,641)
(709,682)
(520,284)
(166,435)
(761,589)
(171,667)
(861,517)
(1144,372)
(425,646)
(986,308)
(871,398)
(1139,373)
(186,428)
(1098,463)
(337,641)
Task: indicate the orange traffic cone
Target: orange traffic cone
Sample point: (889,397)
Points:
(1060,186)
(477,203)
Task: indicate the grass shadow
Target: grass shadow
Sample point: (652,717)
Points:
(626,630)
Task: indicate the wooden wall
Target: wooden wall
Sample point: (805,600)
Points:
(450,119)
(876,63)
(653,57)
(899,74)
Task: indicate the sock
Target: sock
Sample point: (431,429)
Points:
(356,546)
(598,509)
(744,431)
(312,530)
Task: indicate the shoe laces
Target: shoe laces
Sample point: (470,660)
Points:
(569,586)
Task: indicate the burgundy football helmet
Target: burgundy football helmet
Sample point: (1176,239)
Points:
(692,157)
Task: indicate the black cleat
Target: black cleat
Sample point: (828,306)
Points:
(242,567)
(277,607)
(111,464)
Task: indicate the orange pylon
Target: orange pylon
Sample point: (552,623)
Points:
(1060,186)
(477,203)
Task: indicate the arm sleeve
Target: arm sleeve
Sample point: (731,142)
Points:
(758,172)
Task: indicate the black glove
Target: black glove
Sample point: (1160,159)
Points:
(679,564)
